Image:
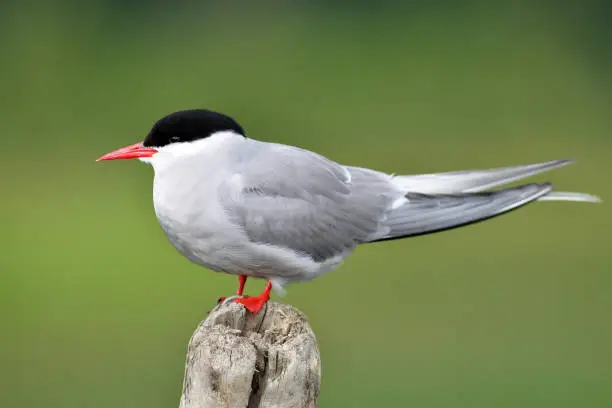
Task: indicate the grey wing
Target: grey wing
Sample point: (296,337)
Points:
(473,181)
(425,214)
(295,199)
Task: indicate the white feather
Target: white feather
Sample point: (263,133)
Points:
(568,196)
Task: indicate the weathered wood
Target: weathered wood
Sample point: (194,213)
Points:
(239,360)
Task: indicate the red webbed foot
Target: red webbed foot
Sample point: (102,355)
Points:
(254,303)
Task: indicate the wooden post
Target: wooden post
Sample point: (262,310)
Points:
(239,360)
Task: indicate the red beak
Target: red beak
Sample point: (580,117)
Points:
(129,152)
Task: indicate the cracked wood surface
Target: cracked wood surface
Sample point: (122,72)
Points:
(239,360)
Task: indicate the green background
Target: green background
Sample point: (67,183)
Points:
(97,307)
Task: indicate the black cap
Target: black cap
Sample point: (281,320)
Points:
(189,125)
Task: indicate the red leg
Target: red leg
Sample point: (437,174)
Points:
(254,303)
(241,281)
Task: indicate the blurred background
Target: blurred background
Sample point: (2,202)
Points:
(97,307)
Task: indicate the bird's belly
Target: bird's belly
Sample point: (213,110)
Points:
(227,250)
(201,245)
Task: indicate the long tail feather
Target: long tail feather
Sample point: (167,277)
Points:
(568,196)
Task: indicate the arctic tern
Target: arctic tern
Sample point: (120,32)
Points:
(267,210)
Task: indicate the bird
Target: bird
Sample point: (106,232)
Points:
(266,210)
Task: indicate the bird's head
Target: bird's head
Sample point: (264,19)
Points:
(179,134)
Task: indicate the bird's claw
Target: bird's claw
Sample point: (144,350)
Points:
(226,300)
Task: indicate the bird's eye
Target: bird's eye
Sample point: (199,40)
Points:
(175,139)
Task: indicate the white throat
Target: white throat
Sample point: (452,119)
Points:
(211,147)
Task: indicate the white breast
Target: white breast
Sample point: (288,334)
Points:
(185,197)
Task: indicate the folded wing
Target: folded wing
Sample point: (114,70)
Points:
(427,213)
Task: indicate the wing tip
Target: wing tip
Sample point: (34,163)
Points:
(554,164)
(523,195)
(565,162)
